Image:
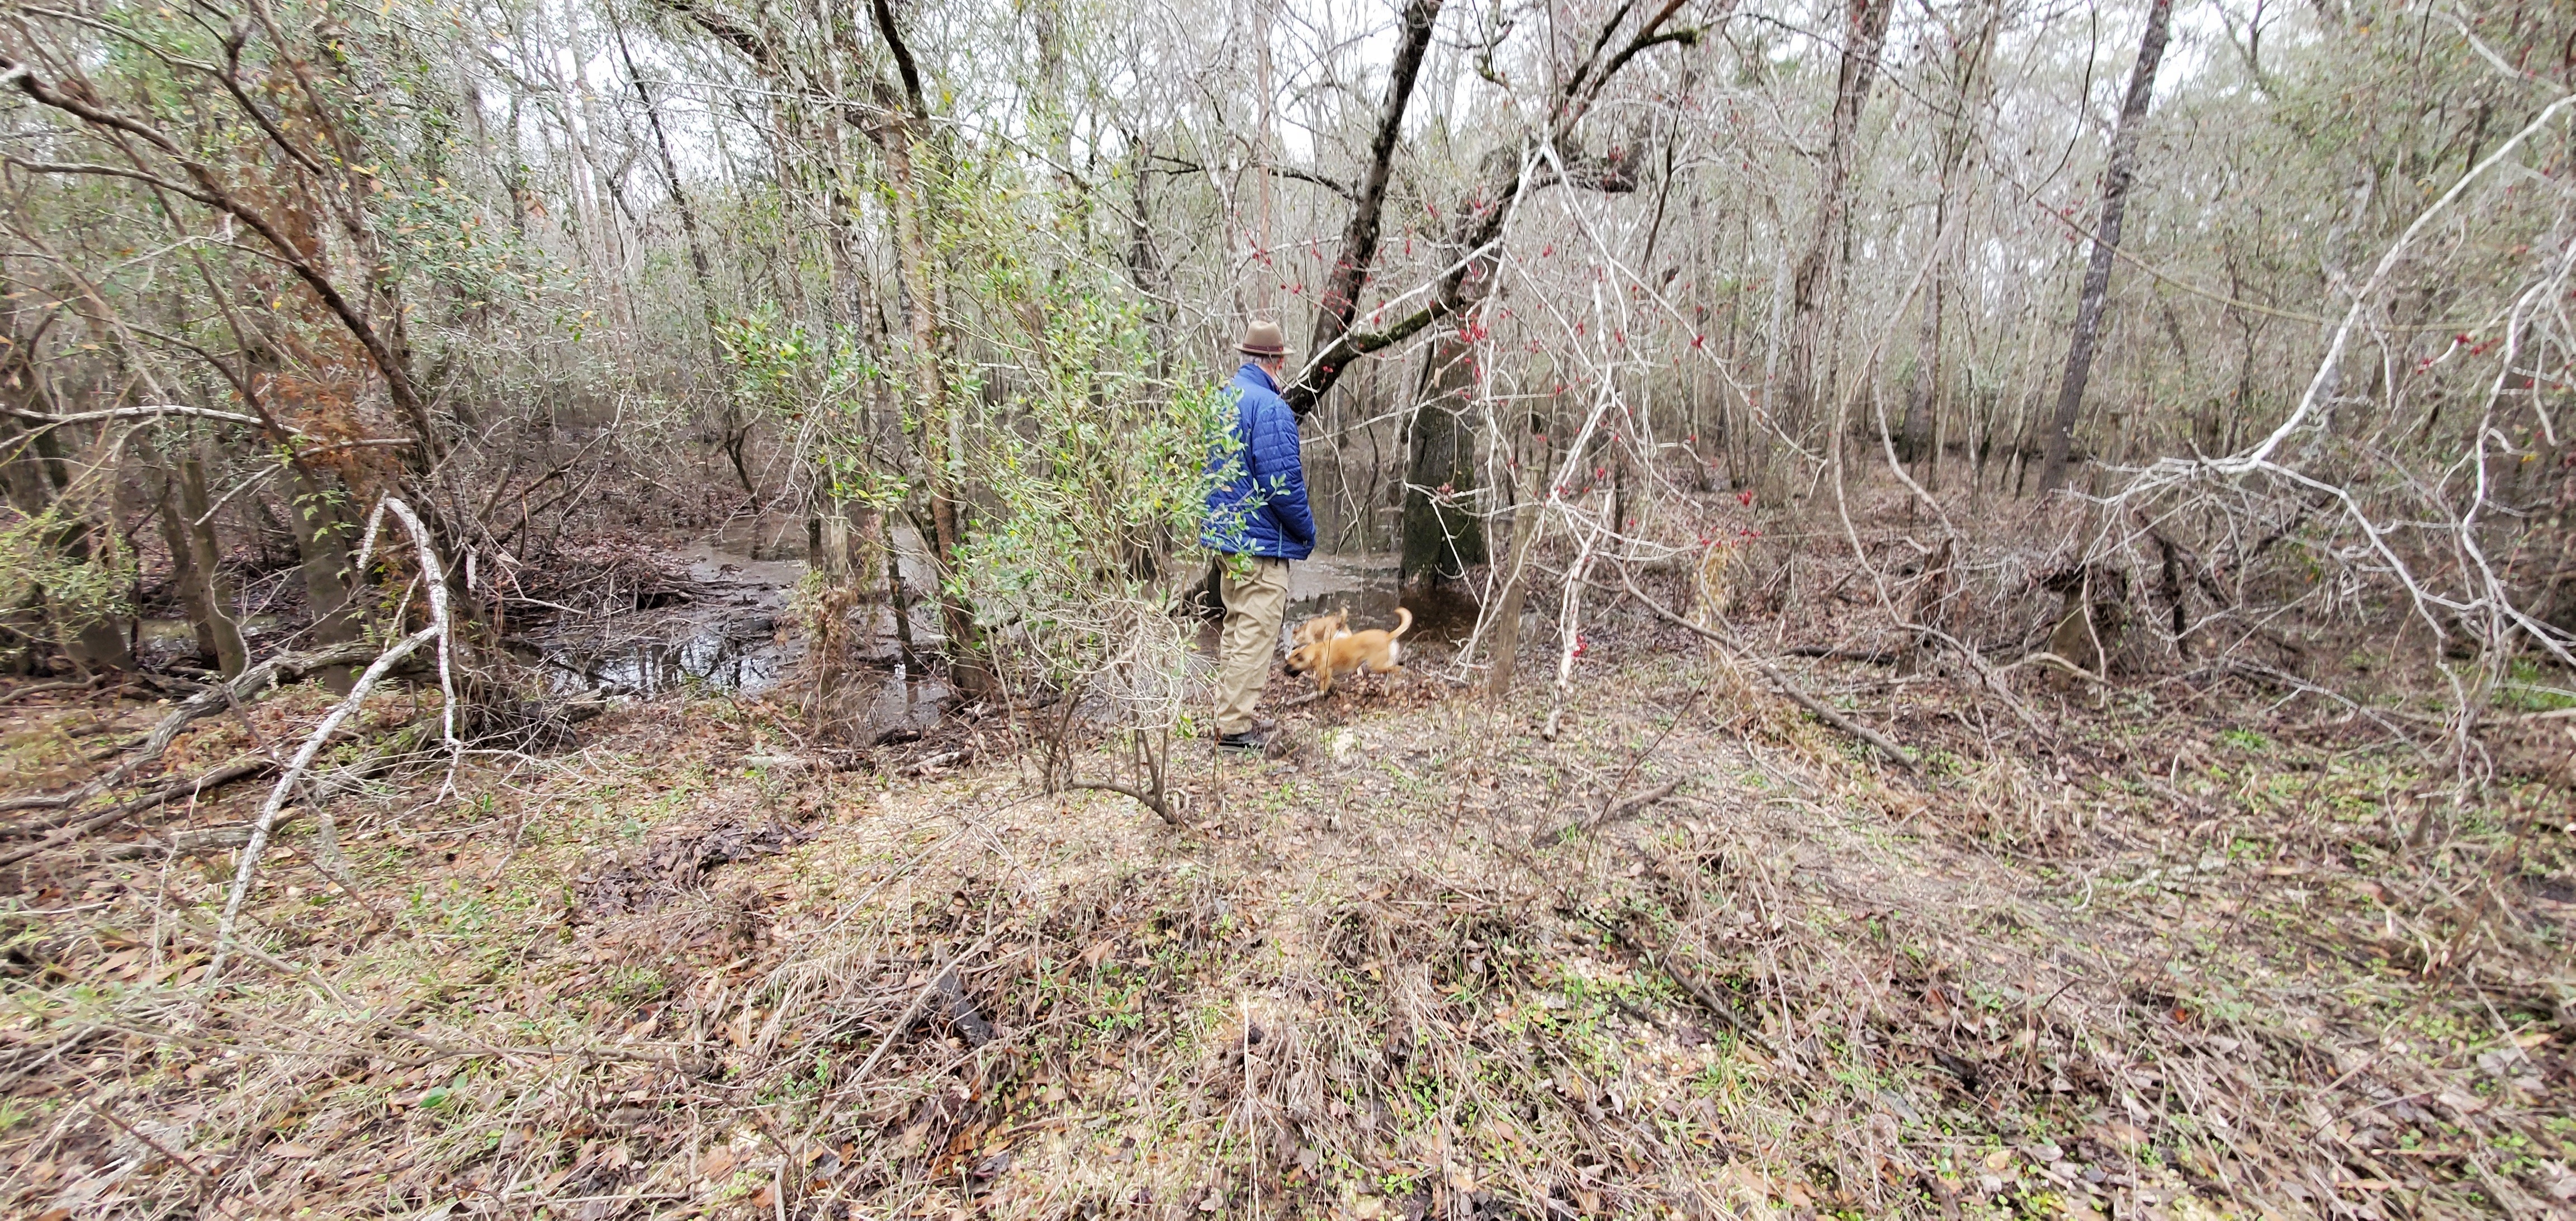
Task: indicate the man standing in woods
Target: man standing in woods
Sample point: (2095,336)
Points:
(1258,519)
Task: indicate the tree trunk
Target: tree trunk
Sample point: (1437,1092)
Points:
(1339,301)
(33,487)
(322,539)
(733,425)
(1923,423)
(183,569)
(1818,271)
(1443,533)
(906,144)
(902,604)
(2106,244)
(930,393)
(212,599)
(1914,442)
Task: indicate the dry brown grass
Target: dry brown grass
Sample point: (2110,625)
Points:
(1413,970)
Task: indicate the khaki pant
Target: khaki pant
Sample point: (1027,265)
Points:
(1254,606)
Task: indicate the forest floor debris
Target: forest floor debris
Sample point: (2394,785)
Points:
(2180,963)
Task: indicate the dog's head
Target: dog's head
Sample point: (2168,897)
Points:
(1305,657)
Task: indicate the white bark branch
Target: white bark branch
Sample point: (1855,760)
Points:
(438,630)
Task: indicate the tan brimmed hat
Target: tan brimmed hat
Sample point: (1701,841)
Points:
(1264,339)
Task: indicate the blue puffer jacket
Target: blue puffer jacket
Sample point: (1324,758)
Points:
(1260,508)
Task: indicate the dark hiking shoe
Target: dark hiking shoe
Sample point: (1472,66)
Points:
(1250,741)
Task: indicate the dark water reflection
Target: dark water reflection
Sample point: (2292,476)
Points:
(737,654)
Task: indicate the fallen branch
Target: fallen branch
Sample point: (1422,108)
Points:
(117,814)
(15,694)
(1638,759)
(1689,983)
(221,839)
(257,844)
(676,1061)
(2044,657)
(148,1140)
(285,667)
(435,577)
(299,971)
(1633,804)
(1609,812)
(1826,652)
(1778,682)
(195,786)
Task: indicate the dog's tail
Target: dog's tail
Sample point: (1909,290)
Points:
(1403,620)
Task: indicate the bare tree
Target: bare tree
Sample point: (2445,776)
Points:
(1816,281)
(2117,176)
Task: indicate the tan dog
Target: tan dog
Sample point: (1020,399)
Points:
(1374,651)
(1323,627)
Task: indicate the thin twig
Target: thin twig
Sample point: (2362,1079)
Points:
(147,1138)
(1708,1000)
(1894,752)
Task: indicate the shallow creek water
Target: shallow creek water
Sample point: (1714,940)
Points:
(737,634)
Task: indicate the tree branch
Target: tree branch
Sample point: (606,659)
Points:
(754,45)
(146,410)
(113,171)
(903,64)
(1339,301)
(212,192)
(1481,225)
(1335,186)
